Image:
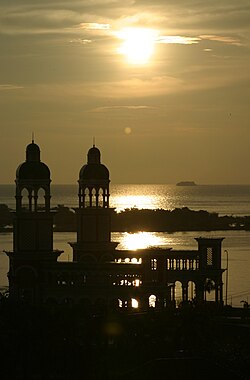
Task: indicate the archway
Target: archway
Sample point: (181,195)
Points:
(178,293)
(40,203)
(191,291)
(209,289)
(25,199)
(152,301)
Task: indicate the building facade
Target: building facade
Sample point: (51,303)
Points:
(100,276)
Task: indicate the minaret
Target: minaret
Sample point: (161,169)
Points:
(33,228)
(94,213)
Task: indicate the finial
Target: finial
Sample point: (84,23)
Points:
(32,137)
(93,142)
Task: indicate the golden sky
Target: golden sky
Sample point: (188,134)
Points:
(162,85)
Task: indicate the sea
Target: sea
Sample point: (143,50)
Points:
(221,199)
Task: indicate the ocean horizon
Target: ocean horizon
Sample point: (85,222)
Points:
(221,199)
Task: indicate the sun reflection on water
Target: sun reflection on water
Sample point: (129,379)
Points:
(141,240)
(142,196)
(136,201)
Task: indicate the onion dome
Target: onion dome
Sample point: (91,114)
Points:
(94,156)
(94,170)
(33,152)
(33,168)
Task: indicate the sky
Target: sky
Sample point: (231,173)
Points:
(162,86)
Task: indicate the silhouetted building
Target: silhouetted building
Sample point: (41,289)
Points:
(100,276)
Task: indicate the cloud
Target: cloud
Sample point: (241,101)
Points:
(8,87)
(94,26)
(129,107)
(178,40)
(80,41)
(224,39)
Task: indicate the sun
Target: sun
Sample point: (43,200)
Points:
(138,44)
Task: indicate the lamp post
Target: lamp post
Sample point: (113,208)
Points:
(226,252)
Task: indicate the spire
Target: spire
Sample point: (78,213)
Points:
(33,137)
(93,141)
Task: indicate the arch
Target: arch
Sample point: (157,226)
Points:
(209,289)
(191,291)
(40,199)
(134,303)
(87,197)
(81,196)
(178,293)
(93,197)
(25,193)
(152,300)
(101,197)
(136,281)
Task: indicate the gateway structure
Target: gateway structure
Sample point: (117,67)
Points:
(100,276)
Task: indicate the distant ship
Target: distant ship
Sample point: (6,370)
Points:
(186,183)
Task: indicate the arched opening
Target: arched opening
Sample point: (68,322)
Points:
(94,198)
(101,198)
(120,303)
(25,199)
(81,197)
(178,293)
(134,303)
(152,301)
(87,197)
(191,291)
(40,200)
(105,197)
(209,289)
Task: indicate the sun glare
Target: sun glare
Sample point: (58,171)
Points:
(132,201)
(138,44)
(141,240)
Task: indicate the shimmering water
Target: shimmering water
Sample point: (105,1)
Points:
(223,199)
(230,200)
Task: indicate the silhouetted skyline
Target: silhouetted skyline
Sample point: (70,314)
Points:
(163,88)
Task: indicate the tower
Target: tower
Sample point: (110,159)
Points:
(94,213)
(210,267)
(33,228)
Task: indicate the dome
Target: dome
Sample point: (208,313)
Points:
(94,156)
(32,152)
(94,172)
(33,170)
